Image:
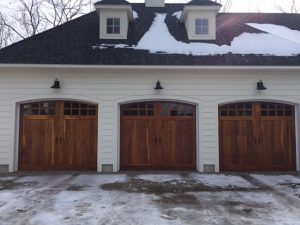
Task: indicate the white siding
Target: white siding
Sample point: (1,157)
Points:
(110,87)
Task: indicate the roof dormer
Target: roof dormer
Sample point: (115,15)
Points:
(114,16)
(199,17)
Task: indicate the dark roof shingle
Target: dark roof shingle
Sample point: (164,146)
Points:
(112,2)
(203,3)
(72,42)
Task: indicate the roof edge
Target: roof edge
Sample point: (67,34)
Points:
(162,67)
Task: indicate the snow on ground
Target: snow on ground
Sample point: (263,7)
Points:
(7,178)
(177,14)
(247,43)
(135,15)
(53,200)
(159,177)
(280,31)
(221,180)
(287,183)
(92,180)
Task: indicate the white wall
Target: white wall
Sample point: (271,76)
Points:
(109,87)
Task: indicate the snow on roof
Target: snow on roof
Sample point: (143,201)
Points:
(135,15)
(246,43)
(280,31)
(177,14)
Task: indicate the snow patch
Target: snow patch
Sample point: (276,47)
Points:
(221,180)
(135,15)
(277,30)
(177,14)
(92,180)
(105,46)
(7,178)
(159,177)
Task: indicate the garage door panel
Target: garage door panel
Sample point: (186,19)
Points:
(158,135)
(79,145)
(277,143)
(257,136)
(237,143)
(137,143)
(37,148)
(57,135)
(178,143)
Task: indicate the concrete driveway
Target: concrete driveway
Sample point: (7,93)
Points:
(150,199)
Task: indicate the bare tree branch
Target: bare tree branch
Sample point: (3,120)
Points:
(34,16)
(293,8)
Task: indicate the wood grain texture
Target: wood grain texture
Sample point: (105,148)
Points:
(58,142)
(158,142)
(257,143)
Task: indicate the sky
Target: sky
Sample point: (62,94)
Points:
(237,5)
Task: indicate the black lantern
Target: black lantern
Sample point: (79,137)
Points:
(158,86)
(56,84)
(260,86)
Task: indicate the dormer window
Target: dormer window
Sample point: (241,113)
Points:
(201,26)
(113,26)
(114,18)
(199,17)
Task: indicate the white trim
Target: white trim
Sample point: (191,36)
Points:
(16,121)
(150,67)
(158,97)
(276,99)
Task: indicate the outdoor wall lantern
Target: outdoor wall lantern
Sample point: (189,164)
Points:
(158,86)
(260,86)
(56,84)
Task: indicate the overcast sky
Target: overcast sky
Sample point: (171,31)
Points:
(237,5)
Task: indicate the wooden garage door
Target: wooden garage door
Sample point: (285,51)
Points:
(57,135)
(158,135)
(257,136)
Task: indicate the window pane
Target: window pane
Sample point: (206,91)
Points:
(75,112)
(204,30)
(116,21)
(205,22)
(109,30)
(109,21)
(116,30)
(92,112)
(35,112)
(83,112)
(67,112)
(198,22)
(198,30)
(67,104)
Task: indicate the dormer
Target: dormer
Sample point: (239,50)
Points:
(199,17)
(114,16)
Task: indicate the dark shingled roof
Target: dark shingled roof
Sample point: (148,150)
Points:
(203,3)
(72,42)
(112,2)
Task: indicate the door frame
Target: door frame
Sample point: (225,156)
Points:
(135,99)
(282,100)
(14,153)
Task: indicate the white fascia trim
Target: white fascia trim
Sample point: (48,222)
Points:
(116,67)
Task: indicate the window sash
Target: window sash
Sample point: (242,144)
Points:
(201,26)
(113,25)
